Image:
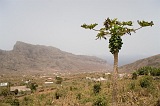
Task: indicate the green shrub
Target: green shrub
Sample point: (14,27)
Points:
(8,99)
(79,96)
(149,71)
(96,88)
(146,82)
(15,102)
(5,92)
(155,72)
(132,86)
(27,101)
(134,76)
(100,101)
(70,88)
(58,80)
(141,72)
(33,86)
(60,93)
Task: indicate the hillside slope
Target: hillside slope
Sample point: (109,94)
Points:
(153,61)
(25,57)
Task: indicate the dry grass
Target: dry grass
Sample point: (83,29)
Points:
(76,90)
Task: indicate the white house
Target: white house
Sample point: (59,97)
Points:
(4,84)
(48,82)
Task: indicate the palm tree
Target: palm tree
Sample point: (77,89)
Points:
(115,30)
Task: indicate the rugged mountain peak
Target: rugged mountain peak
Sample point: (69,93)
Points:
(30,48)
(26,56)
(21,46)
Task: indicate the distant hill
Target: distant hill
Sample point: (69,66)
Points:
(153,61)
(27,57)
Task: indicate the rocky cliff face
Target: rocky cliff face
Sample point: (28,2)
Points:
(153,61)
(25,57)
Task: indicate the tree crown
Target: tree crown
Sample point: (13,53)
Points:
(115,27)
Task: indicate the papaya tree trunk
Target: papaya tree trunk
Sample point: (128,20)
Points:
(115,77)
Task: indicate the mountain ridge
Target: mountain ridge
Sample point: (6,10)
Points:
(26,56)
(153,61)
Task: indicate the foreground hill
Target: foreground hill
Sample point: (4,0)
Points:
(28,57)
(153,61)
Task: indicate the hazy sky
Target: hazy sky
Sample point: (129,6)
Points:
(57,23)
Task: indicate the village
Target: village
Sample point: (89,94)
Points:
(41,83)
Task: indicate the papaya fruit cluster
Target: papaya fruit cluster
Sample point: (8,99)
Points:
(115,43)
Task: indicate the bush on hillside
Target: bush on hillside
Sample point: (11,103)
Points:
(27,101)
(132,86)
(134,76)
(12,101)
(146,82)
(149,71)
(5,92)
(155,72)
(60,93)
(96,88)
(79,96)
(100,101)
(58,80)
(15,102)
(33,86)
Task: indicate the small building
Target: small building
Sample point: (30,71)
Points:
(48,83)
(4,84)
(20,89)
(102,79)
(26,82)
(94,79)
(49,78)
(108,73)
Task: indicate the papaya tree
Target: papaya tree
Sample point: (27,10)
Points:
(115,29)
